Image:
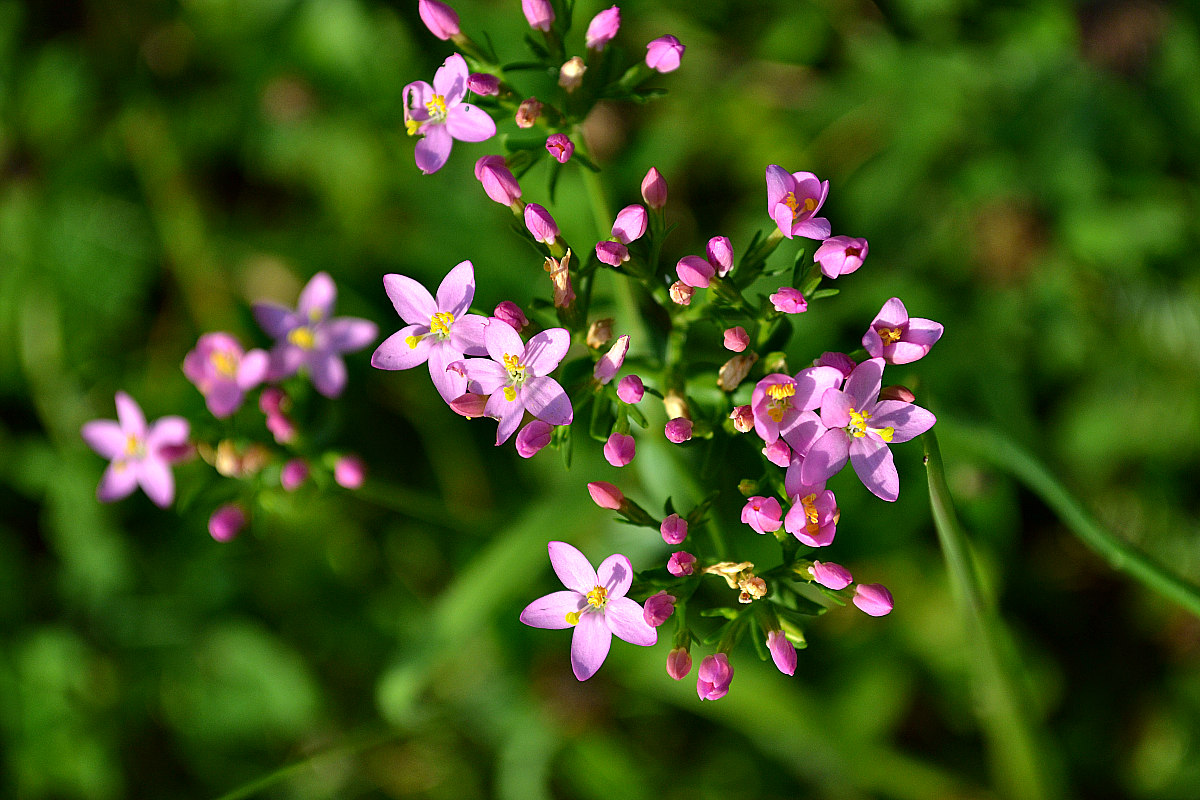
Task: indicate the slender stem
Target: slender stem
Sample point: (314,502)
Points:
(356,745)
(1016,748)
(1004,453)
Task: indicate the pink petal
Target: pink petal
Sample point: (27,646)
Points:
(487,374)
(328,373)
(905,419)
(433,150)
(805,429)
(223,399)
(448,384)
(130,415)
(468,333)
(589,645)
(546,400)
(625,618)
(892,315)
(835,408)
(811,384)
(572,567)
(826,457)
(873,464)
(156,480)
(167,432)
(118,481)
(501,341)
(903,352)
(783,218)
(545,350)
(317,298)
(469,123)
(615,574)
(105,437)
(347,334)
(924,332)
(457,290)
(274,319)
(395,353)
(814,228)
(450,81)
(510,415)
(252,370)
(412,301)
(285,360)
(416,95)
(779,183)
(551,610)
(796,487)
(864,383)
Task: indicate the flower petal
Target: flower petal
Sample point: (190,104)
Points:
(811,384)
(546,400)
(615,574)
(118,481)
(130,415)
(450,81)
(486,374)
(252,370)
(433,150)
(892,315)
(626,620)
(395,352)
(457,290)
(156,480)
(347,334)
(864,383)
(167,432)
(448,384)
(550,611)
(800,434)
(274,319)
(779,183)
(826,457)
(572,567)
(412,301)
(905,419)
(545,350)
(317,298)
(835,408)
(468,333)
(508,412)
(872,461)
(328,373)
(589,645)
(469,123)
(105,437)
(501,341)
(814,228)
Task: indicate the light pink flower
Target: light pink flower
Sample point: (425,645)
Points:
(619,450)
(538,13)
(681,564)
(533,437)
(783,652)
(498,181)
(678,430)
(679,663)
(674,529)
(664,54)
(294,474)
(606,495)
(814,515)
(540,224)
(830,575)
(630,224)
(511,314)
(694,271)
(713,677)
(611,362)
(658,609)
(594,604)
(736,339)
(226,522)
(778,453)
(602,28)
(654,189)
(140,454)
(896,338)
(441,19)
(439,331)
(793,199)
(223,373)
(762,514)
(873,599)
(350,472)
(789,301)
(840,255)
(440,116)
(630,389)
(612,253)
(560,146)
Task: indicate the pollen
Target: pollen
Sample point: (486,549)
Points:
(510,393)
(436,108)
(302,337)
(572,617)
(811,515)
(223,363)
(858,423)
(132,445)
(779,391)
(807,206)
(412,126)
(889,335)
(440,323)
(412,341)
(597,597)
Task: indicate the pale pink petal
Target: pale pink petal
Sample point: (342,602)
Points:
(551,610)
(223,399)
(872,462)
(448,383)
(800,434)
(252,370)
(118,481)
(433,150)
(274,319)
(285,360)
(615,574)
(905,419)
(545,350)
(625,618)
(167,432)
(892,315)
(864,383)
(779,183)
(501,341)
(835,408)
(486,374)
(796,487)
(470,123)
(510,416)
(783,218)
(317,298)
(468,333)
(924,332)
(589,645)
(546,400)
(457,290)
(328,373)
(826,457)
(395,352)
(903,352)
(412,301)
(105,437)
(347,334)
(156,480)
(814,228)
(811,384)
(450,81)
(416,95)
(572,567)
(130,415)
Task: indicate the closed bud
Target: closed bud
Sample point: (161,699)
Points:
(873,599)
(901,393)
(830,575)
(606,495)
(630,389)
(603,28)
(679,663)
(511,314)
(441,19)
(533,437)
(654,189)
(681,563)
(630,224)
(679,430)
(674,529)
(612,253)
(482,83)
(293,474)
(226,522)
(600,333)
(538,13)
(713,677)
(736,339)
(528,113)
(720,254)
(560,146)
(350,472)
(469,405)
(619,450)
(658,609)
(540,224)
(571,74)
(498,181)
(783,652)
(664,54)
(694,271)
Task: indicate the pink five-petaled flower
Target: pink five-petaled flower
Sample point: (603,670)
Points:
(792,201)
(603,28)
(713,677)
(859,429)
(814,515)
(789,301)
(309,338)
(840,255)
(778,400)
(518,377)
(560,146)
(896,338)
(140,453)
(440,116)
(664,54)
(763,514)
(594,603)
(783,652)
(223,373)
(439,331)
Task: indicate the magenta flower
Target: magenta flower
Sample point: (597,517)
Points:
(612,253)
(310,338)
(830,575)
(619,450)
(611,362)
(350,472)
(538,13)
(223,373)
(594,604)
(681,563)
(783,652)
(736,339)
(654,189)
(630,224)
(533,437)
(560,146)
(602,28)
(294,474)
(859,429)
(840,255)
(720,254)
(498,181)
(483,83)
(440,116)
(778,400)
(873,599)
(674,529)
(897,339)
(659,608)
(664,54)
(630,389)
(679,663)
(540,224)
(792,201)
(226,522)
(140,454)
(778,453)
(694,271)
(763,514)
(439,331)
(678,430)
(789,301)
(713,677)
(517,377)
(814,515)
(441,19)
(510,314)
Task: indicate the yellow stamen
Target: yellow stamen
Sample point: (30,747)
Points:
(510,393)
(572,617)
(440,323)
(779,394)
(888,335)
(223,362)
(597,597)
(797,207)
(811,516)
(412,126)
(858,427)
(132,445)
(413,341)
(436,108)
(302,338)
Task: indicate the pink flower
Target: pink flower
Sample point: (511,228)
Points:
(830,575)
(630,224)
(793,200)
(762,514)
(226,522)
(789,301)
(309,338)
(541,225)
(713,677)
(814,515)
(517,377)
(897,339)
(441,19)
(223,373)
(350,472)
(679,663)
(560,146)
(681,293)
(659,608)
(440,116)
(498,182)
(736,339)
(611,362)
(840,255)
(859,429)
(294,474)
(664,54)
(510,314)
(594,604)
(140,454)
(630,389)
(528,112)
(484,84)
(654,189)
(439,331)
(538,13)
(606,495)
(619,449)
(603,28)
(778,400)
(778,453)
(678,430)
(674,529)
(840,361)
(743,419)
(873,599)
(783,652)
(681,563)
(720,254)
(694,271)
(533,437)
(612,253)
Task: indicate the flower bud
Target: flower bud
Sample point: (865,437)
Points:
(789,301)
(720,254)
(497,180)
(272,401)
(901,393)
(511,314)
(570,76)
(674,529)
(679,430)
(469,405)
(840,255)
(873,599)
(695,271)
(538,13)
(293,474)
(630,224)
(528,113)
(533,437)
(441,19)
(619,450)
(762,514)
(658,609)
(654,189)
(226,522)
(743,419)
(612,253)
(603,28)
(736,339)
(483,83)
(600,333)
(540,224)
(713,677)
(734,371)
(830,575)
(664,53)
(610,363)
(839,361)
(630,389)
(681,563)
(783,652)
(606,495)
(349,472)
(778,453)
(281,428)
(681,293)
(560,146)
(679,663)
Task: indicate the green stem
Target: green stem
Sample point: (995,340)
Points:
(1003,702)
(357,745)
(1120,555)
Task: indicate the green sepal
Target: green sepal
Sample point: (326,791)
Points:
(823,293)
(636,415)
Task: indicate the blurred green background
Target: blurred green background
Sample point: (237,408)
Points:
(1025,173)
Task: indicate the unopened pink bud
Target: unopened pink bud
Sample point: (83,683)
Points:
(839,361)
(778,453)
(606,495)
(441,19)
(658,609)
(630,389)
(679,663)
(603,28)
(743,419)
(630,224)
(762,514)
(664,54)
(511,314)
(720,254)
(830,575)
(350,472)
(654,189)
(540,224)
(469,405)
(226,522)
(538,13)
(873,599)
(681,563)
(681,293)
(695,271)
(533,437)
(272,400)
(901,393)
(294,473)
(497,180)
(840,255)
(281,428)
(674,529)
(528,113)
(713,677)
(789,301)
(483,83)
(612,253)
(679,430)
(610,363)
(783,652)
(736,339)
(619,450)
(560,146)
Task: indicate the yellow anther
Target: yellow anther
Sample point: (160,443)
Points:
(436,108)
(223,362)
(412,341)
(302,338)
(858,423)
(811,515)
(132,445)
(809,204)
(888,335)
(597,597)
(779,391)
(510,393)
(886,433)
(572,617)
(440,323)
(412,126)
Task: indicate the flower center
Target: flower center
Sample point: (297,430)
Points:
(302,337)
(859,428)
(436,108)
(889,335)
(440,324)
(224,363)
(597,597)
(133,446)
(780,404)
(807,206)
(811,515)
(516,374)
(853,252)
